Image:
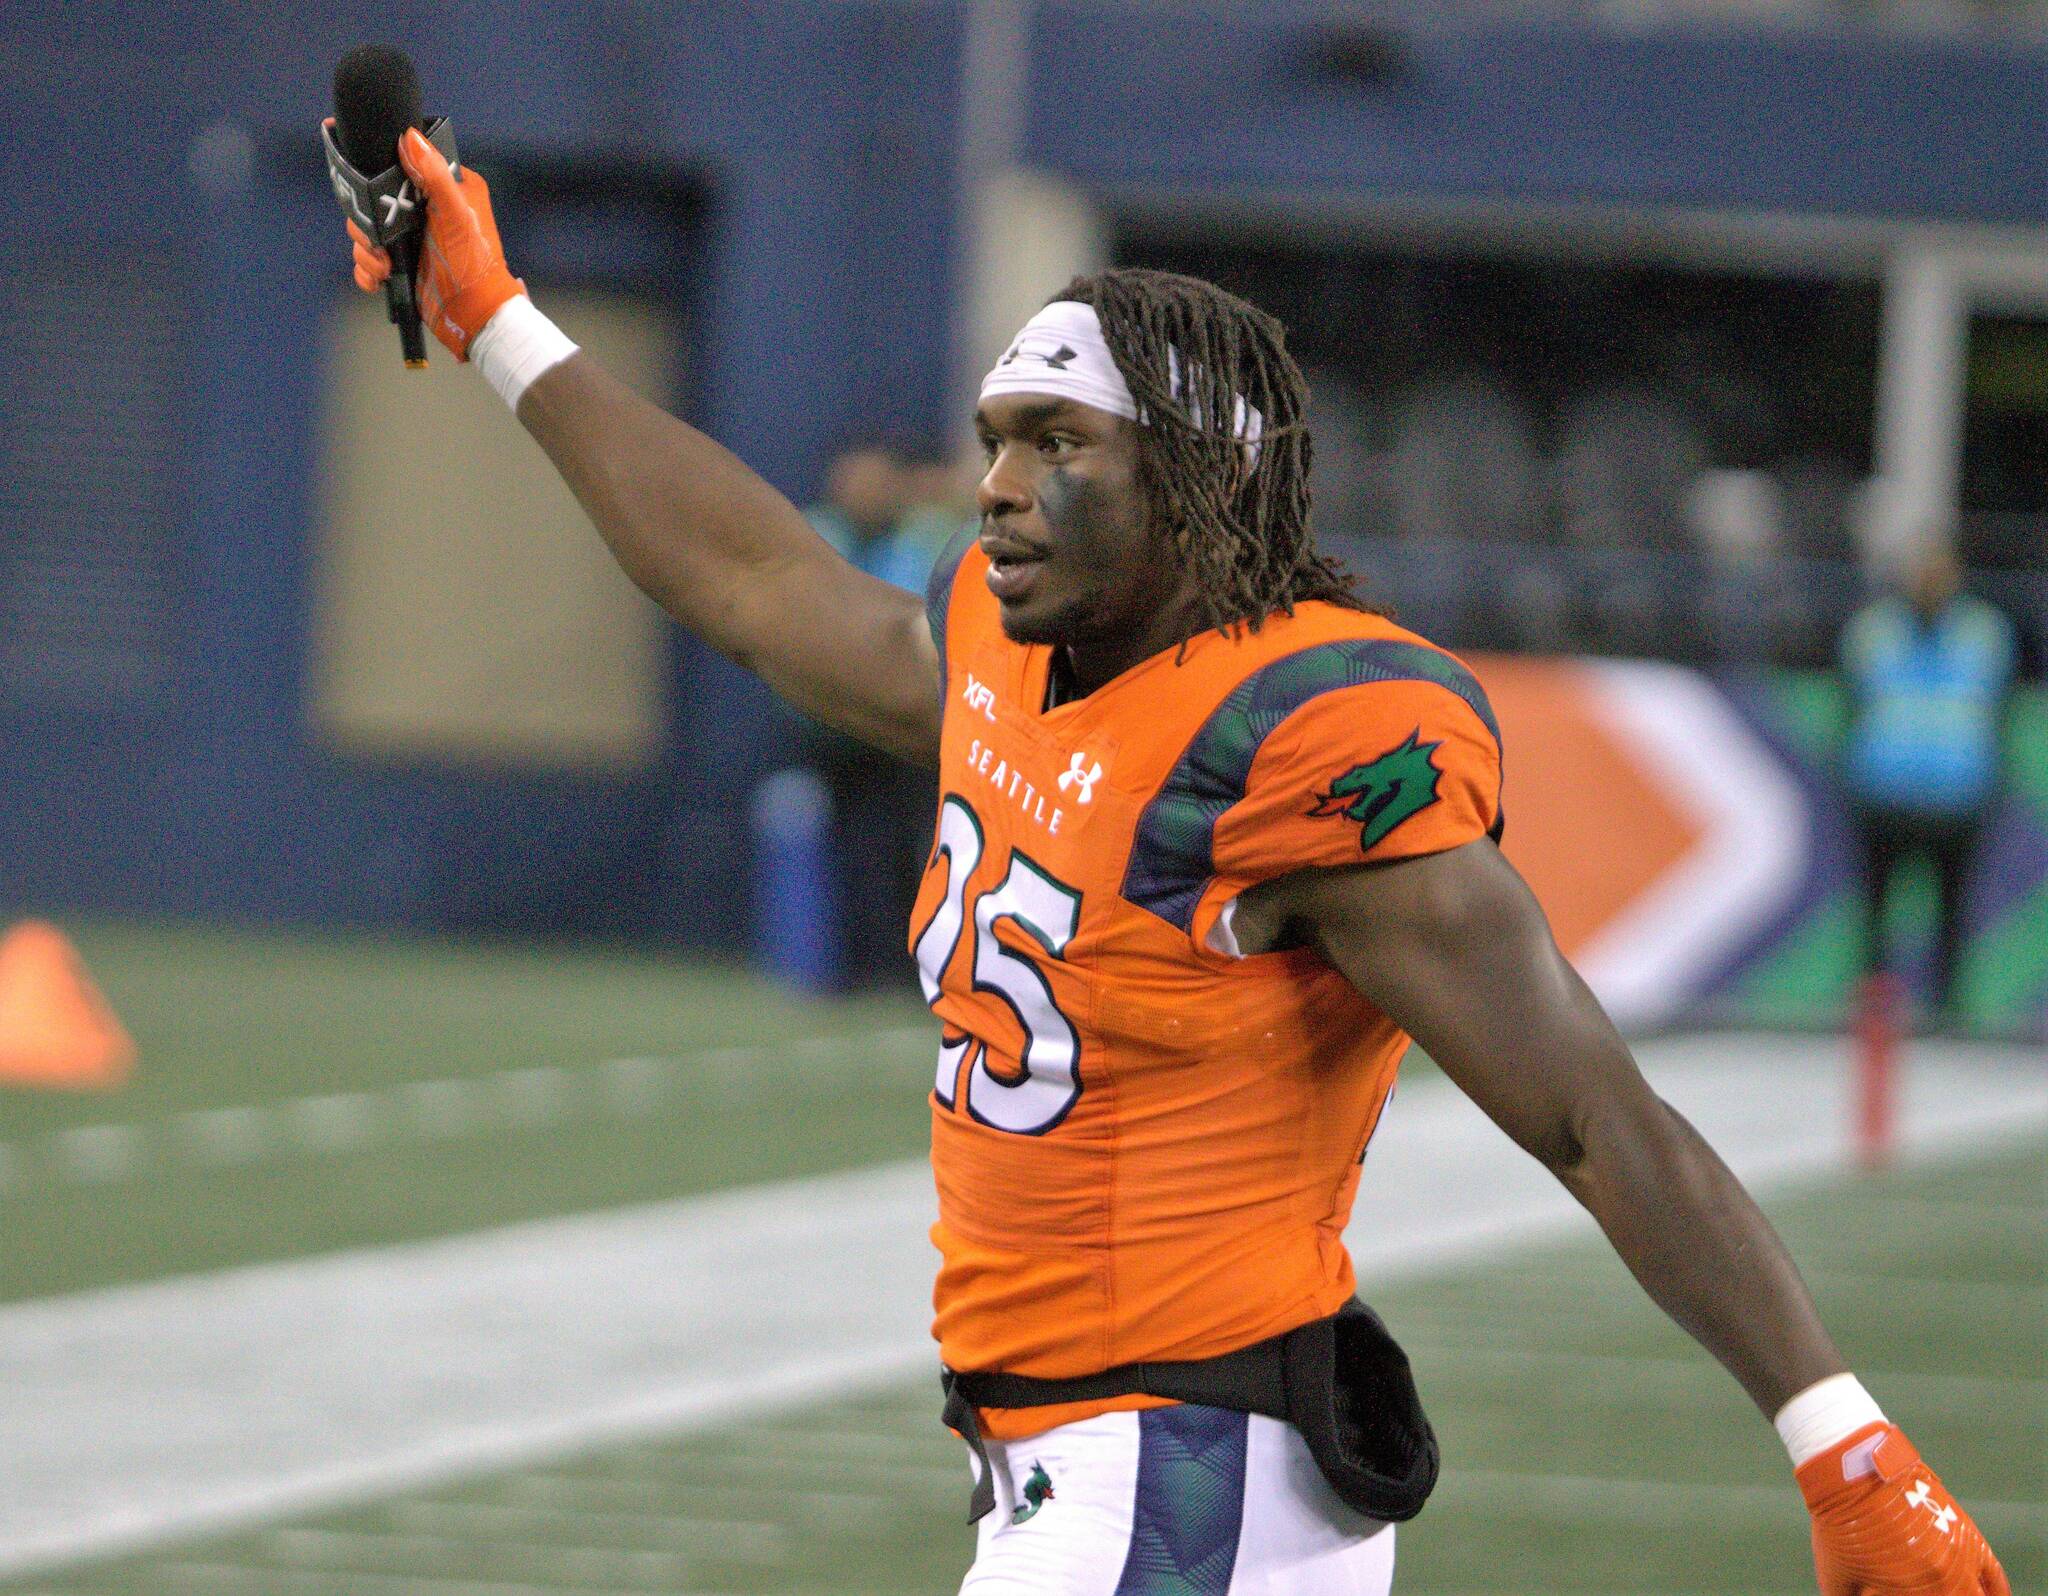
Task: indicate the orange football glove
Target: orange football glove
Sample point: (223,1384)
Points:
(463,278)
(1883,1525)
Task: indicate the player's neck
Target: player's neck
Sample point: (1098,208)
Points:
(1082,666)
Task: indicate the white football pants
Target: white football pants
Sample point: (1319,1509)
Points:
(1189,1500)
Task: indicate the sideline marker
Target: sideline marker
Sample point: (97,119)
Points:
(1880,1014)
(56,1030)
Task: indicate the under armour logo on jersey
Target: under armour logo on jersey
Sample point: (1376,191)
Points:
(1087,778)
(1057,360)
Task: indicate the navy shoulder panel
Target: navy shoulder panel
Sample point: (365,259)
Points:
(1172,857)
(938,587)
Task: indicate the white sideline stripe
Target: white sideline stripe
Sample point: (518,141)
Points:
(380,1452)
(150,1413)
(407,1111)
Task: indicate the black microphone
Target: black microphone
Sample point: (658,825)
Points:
(376,98)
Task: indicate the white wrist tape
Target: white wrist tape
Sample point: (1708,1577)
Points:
(516,345)
(1823,1415)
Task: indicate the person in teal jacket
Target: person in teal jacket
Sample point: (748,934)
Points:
(1930,673)
(874,513)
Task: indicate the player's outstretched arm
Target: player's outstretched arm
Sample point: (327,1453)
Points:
(734,561)
(1455,949)
(698,531)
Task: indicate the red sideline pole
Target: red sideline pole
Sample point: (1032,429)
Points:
(1880,1006)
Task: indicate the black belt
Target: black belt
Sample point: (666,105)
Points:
(1343,1382)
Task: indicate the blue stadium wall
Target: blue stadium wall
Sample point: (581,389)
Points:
(160,289)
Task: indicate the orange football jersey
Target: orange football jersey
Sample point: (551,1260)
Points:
(1145,1146)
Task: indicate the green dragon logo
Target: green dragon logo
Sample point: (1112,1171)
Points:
(1037,1492)
(1382,793)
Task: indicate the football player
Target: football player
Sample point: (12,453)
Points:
(1214,841)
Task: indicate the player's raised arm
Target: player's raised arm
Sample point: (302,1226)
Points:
(692,525)
(1454,948)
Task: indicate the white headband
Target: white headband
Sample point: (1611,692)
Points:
(1061,352)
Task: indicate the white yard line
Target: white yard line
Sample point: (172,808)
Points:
(97,1153)
(585,1495)
(416,1112)
(502,1521)
(401,1551)
(147,1414)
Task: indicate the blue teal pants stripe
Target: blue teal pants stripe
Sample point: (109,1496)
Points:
(1189,1507)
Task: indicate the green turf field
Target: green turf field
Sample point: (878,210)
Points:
(297,1096)
(1588,1447)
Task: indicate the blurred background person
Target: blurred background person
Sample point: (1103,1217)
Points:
(884,509)
(870,488)
(1929,671)
(938,503)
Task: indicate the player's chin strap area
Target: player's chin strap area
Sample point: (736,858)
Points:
(1343,1382)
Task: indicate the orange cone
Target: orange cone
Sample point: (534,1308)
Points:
(55,1028)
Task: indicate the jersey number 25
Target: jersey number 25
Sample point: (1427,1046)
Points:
(1038,1097)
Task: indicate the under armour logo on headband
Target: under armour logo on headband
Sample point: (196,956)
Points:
(1057,359)
(1061,352)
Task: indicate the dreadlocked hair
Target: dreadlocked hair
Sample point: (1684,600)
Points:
(1189,351)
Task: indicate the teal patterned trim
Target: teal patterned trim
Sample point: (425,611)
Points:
(938,593)
(1172,858)
(1187,1509)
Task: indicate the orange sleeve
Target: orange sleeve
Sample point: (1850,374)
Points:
(1380,770)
